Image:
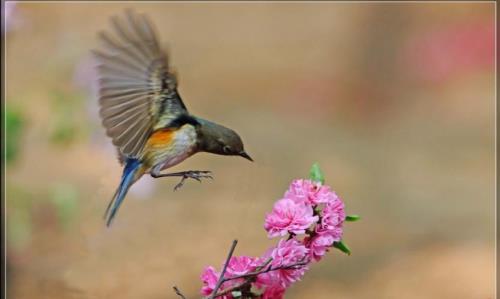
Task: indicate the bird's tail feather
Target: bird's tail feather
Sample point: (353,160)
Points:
(130,172)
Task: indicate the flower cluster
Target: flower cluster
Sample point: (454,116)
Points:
(237,266)
(309,218)
(309,208)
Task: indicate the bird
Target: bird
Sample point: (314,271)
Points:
(143,113)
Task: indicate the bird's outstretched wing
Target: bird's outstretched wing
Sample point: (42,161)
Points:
(137,92)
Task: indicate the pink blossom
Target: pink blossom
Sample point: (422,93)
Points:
(270,283)
(209,278)
(274,292)
(239,265)
(318,245)
(332,219)
(289,216)
(287,253)
(309,192)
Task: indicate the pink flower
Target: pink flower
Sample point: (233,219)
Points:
(287,253)
(332,219)
(209,278)
(289,216)
(309,192)
(274,292)
(239,265)
(319,244)
(270,282)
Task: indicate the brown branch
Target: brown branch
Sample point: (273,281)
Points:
(254,273)
(269,269)
(232,289)
(249,277)
(221,278)
(179,293)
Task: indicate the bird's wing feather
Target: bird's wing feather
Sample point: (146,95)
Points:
(136,89)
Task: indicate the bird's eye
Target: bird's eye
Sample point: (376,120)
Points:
(226,149)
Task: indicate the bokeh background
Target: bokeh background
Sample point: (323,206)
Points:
(395,101)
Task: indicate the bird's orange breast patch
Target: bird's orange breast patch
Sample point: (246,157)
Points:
(161,137)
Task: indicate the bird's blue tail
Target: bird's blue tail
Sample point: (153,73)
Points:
(128,178)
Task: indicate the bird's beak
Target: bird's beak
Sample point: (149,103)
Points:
(246,156)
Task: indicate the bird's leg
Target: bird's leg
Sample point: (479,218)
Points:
(193,174)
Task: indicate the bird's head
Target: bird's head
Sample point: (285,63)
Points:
(220,140)
(229,143)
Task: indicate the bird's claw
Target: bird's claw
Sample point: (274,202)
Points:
(194,174)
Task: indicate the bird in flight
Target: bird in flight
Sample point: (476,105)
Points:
(143,113)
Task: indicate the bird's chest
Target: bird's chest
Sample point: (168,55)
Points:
(167,148)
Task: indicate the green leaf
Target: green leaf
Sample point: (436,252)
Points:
(352,218)
(342,247)
(236,294)
(14,122)
(316,174)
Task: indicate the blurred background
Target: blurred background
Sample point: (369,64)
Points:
(395,101)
